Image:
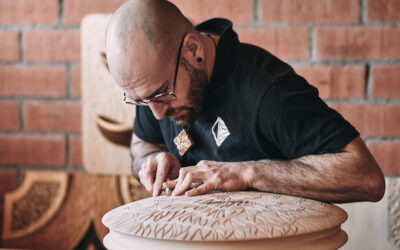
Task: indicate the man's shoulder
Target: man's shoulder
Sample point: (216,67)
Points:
(262,61)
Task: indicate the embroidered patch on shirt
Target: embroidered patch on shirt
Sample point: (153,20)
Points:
(220,131)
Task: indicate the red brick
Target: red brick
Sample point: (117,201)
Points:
(383,10)
(75,10)
(36,81)
(286,43)
(8,181)
(310,11)
(385,81)
(373,120)
(28,12)
(52,45)
(76,80)
(375,42)
(335,82)
(52,116)
(387,154)
(238,11)
(9,115)
(9,46)
(75,151)
(32,150)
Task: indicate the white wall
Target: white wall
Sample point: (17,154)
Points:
(368,222)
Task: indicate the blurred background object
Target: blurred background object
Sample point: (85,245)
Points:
(348,49)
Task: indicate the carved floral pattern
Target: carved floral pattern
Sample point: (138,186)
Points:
(31,207)
(223,216)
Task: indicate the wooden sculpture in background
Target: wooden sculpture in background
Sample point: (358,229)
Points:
(53,210)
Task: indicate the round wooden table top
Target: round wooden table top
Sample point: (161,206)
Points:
(224,217)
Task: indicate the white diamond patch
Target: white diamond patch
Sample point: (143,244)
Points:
(220,131)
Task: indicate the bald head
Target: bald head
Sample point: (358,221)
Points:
(140,34)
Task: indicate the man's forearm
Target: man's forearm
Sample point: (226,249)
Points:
(328,177)
(140,150)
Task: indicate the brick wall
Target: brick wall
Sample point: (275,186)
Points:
(349,49)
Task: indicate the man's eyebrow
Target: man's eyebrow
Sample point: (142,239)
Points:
(165,84)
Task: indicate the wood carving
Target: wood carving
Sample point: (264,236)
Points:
(34,203)
(53,210)
(222,217)
(101,96)
(115,132)
(394,210)
(131,189)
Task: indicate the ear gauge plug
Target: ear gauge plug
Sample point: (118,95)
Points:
(199,59)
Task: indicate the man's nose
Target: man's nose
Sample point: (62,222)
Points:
(158,109)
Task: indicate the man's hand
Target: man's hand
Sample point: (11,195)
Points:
(158,168)
(207,176)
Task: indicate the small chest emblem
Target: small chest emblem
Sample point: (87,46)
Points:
(220,131)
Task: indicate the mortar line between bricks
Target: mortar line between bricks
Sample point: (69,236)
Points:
(37,63)
(68,164)
(364,9)
(21,115)
(368,82)
(41,98)
(21,46)
(385,139)
(361,11)
(68,78)
(311,42)
(38,27)
(19,176)
(257,10)
(321,25)
(344,62)
(39,133)
(60,12)
(362,101)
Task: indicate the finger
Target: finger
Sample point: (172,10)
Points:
(195,184)
(190,177)
(182,174)
(147,174)
(170,184)
(163,168)
(202,189)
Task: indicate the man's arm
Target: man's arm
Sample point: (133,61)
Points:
(140,150)
(351,175)
(152,165)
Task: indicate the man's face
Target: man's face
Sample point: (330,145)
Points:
(143,74)
(192,98)
(189,89)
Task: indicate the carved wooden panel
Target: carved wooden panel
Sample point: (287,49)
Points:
(35,202)
(394,210)
(53,210)
(222,217)
(101,96)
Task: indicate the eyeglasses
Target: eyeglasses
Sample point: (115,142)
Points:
(165,97)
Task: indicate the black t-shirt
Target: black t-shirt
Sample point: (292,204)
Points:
(256,107)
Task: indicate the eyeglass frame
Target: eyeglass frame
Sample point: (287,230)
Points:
(145,102)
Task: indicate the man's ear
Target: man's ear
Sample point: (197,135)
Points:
(192,48)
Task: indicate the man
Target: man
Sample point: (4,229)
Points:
(228,116)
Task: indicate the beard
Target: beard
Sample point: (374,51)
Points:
(195,97)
